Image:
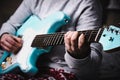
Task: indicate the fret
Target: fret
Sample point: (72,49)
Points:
(47,40)
(44,40)
(99,33)
(52,39)
(90,36)
(39,40)
(55,39)
(93,35)
(58,39)
(62,39)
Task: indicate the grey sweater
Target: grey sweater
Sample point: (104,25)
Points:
(85,15)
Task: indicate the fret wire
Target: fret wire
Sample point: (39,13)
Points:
(45,41)
(89,37)
(48,40)
(53,36)
(51,39)
(55,39)
(58,38)
(91,34)
(62,39)
(41,40)
(99,33)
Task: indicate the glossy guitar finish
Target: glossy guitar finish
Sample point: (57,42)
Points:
(110,38)
(26,58)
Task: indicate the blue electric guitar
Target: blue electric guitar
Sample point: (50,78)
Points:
(39,36)
(26,58)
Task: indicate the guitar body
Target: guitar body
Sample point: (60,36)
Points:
(26,58)
(110,38)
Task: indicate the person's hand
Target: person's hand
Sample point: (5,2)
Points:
(76,44)
(11,43)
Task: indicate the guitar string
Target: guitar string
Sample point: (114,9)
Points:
(55,38)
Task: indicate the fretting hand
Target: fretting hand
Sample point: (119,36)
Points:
(76,45)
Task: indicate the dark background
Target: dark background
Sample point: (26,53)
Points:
(7,8)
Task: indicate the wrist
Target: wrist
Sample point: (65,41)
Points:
(79,55)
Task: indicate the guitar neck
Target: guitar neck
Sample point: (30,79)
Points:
(58,38)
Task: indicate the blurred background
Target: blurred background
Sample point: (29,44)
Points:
(7,8)
(111,10)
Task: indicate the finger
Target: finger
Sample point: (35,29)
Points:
(10,43)
(7,42)
(14,41)
(9,39)
(17,44)
(81,40)
(6,47)
(17,39)
(74,41)
(4,42)
(67,39)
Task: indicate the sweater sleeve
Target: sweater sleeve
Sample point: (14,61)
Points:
(95,57)
(90,16)
(89,65)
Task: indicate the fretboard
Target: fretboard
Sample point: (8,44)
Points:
(58,38)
